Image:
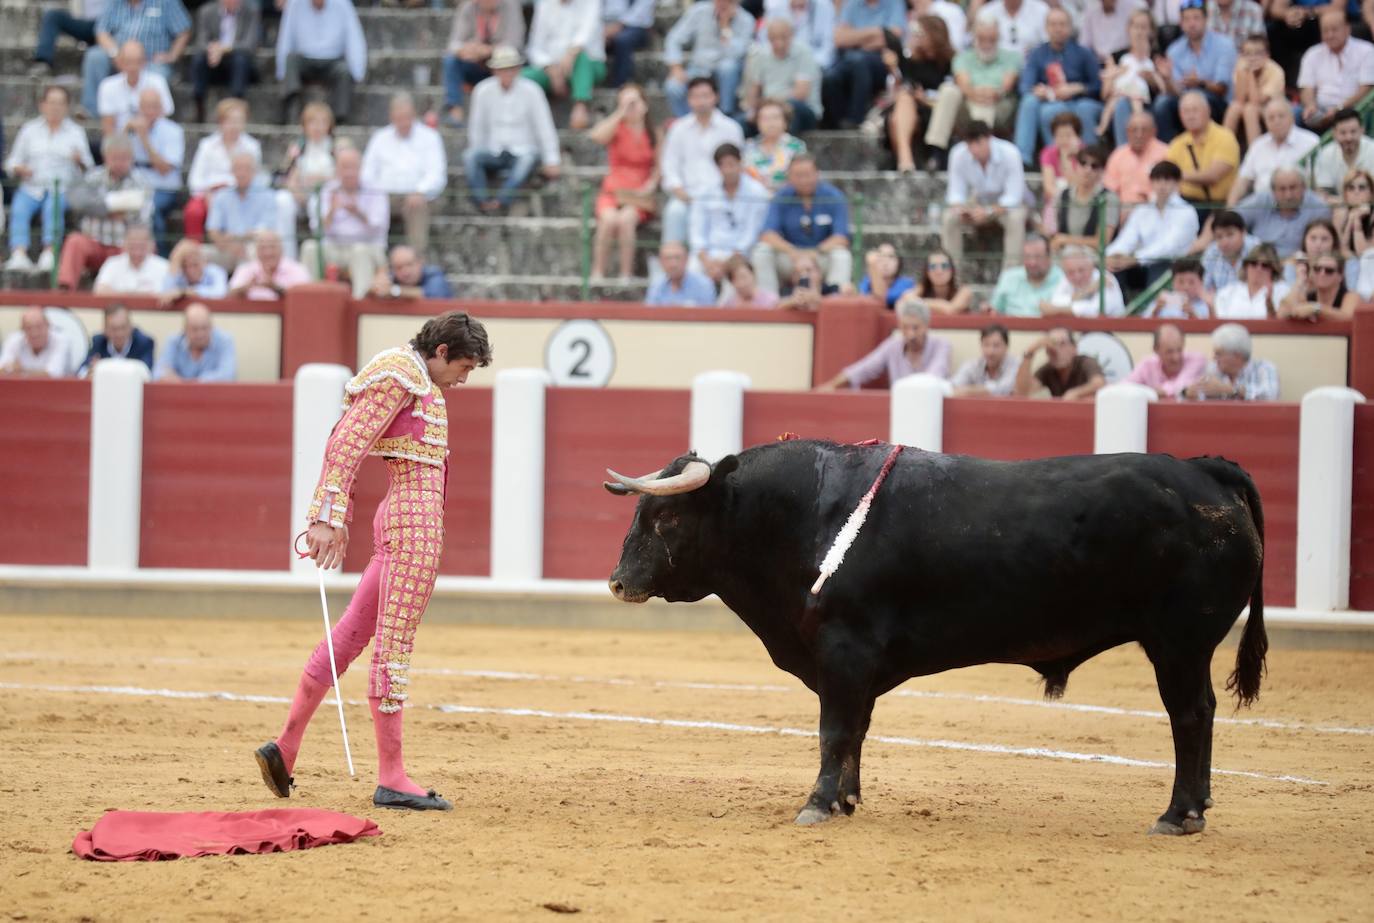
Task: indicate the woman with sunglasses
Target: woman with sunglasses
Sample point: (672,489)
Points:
(1258,295)
(1354,217)
(1319,238)
(939,287)
(1083,209)
(1320,293)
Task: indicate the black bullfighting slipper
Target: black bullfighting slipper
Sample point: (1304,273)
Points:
(390,798)
(274,770)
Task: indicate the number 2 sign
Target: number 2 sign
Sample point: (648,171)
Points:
(579,354)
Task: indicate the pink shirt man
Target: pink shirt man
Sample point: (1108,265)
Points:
(1150,373)
(287,274)
(1128,173)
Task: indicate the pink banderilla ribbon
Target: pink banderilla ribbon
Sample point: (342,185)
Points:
(835,556)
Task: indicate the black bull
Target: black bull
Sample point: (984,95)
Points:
(964,561)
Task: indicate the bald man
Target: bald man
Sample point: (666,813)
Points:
(1282,145)
(34,350)
(117,99)
(201,352)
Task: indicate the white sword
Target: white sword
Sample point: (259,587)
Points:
(334,672)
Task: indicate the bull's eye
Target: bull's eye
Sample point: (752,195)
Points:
(665,524)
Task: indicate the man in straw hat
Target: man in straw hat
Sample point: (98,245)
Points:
(510,130)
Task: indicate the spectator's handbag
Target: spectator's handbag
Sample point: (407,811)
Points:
(635,198)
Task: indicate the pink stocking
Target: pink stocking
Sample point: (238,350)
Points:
(309,695)
(391,771)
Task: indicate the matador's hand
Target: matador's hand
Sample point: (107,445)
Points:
(327,544)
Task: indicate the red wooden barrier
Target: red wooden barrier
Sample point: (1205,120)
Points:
(45,459)
(1010,429)
(841,416)
(632,431)
(1362,512)
(1261,438)
(216,476)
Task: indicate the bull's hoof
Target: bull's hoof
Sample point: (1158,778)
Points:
(1193,823)
(811,815)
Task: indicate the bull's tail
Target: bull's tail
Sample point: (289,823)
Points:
(1254,642)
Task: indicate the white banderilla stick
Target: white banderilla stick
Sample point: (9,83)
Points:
(334,673)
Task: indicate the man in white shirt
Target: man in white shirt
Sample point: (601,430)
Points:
(1335,74)
(987,187)
(687,157)
(320,40)
(1156,232)
(727,219)
(117,100)
(510,130)
(159,151)
(1352,150)
(51,149)
(813,25)
(567,53)
(1283,145)
(135,271)
(1081,292)
(34,350)
(407,160)
(1020,23)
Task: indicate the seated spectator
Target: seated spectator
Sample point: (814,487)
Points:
(162,27)
(1283,146)
(1082,292)
(951,14)
(34,350)
(727,219)
(1259,294)
(320,41)
(1058,160)
(352,222)
(120,340)
(1352,150)
(407,161)
(806,287)
(939,287)
(510,131)
(883,277)
(1236,19)
(687,158)
(1354,218)
(627,25)
(201,352)
(1020,23)
(1336,73)
(228,33)
(1320,292)
(627,197)
(159,152)
(1059,76)
(813,25)
(108,200)
(782,69)
(987,188)
(1189,298)
(78,22)
(307,166)
(212,164)
(238,213)
(1104,28)
(1201,63)
(118,97)
(1208,154)
(49,157)
(1085,212)
(910,350)
(1257,81)
(1280,214)
(993,373)
(1128,85)
(1155,233)
(191,275)
(479,28)
(858,74)
(718,33)
(1128,168)
(1066,374)
(806,214)
(742,288)
(1233,375)
(769,153)
(269,274)
(1021,289)
(137,270)
(983,89)
(1169,369)
(408,276)
(1221,260)
(917,76)
(679,286)
(567,53)
(1319,238)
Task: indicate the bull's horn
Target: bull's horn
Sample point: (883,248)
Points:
(693,476)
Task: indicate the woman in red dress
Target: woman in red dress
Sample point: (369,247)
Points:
(627,193)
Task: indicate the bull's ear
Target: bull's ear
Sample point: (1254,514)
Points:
(724,467)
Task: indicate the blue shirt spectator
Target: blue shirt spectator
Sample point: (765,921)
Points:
(211,281)
(1080,66)
(241,213)
(1214,63)
(899,287)
(434,283)
(216,360)
(721,225)
(154,24)
(679,286)
(324,34)
(807,225)
(884,14)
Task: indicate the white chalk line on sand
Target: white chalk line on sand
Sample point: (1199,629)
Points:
(680,723)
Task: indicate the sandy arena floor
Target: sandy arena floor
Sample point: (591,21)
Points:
(573,789)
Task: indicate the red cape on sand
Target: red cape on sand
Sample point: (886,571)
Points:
(131,836)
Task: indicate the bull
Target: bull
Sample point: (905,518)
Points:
(964,561)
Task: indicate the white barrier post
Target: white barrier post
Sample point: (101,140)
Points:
(517,474)
(116,482)
(1121,418)
(916,412)
(717,428)
(1326,439)
(315,408)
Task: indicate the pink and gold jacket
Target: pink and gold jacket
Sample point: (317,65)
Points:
(390,409)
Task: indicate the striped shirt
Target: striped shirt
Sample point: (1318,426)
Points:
(154,23)
(94,197)
(1247,18)
(1259,379)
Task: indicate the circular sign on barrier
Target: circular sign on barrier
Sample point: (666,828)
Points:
(1109,352)
(579,354)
